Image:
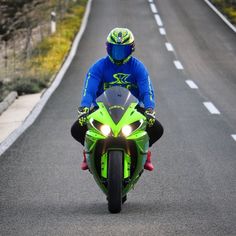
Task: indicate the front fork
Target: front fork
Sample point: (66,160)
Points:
(127,165)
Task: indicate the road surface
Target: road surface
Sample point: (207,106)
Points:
(193,188)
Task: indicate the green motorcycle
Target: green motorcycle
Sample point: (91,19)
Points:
(116,144)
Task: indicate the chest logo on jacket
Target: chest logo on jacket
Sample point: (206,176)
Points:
(120,80)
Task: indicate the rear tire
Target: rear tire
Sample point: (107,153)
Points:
(115,176)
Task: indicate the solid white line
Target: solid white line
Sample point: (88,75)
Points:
(178,65)
(162,31)
(169,47)
(211,108)
(191,84)
(150,0)
(38,108)
(234,136)
(158,20)
(220,15)
(153,8)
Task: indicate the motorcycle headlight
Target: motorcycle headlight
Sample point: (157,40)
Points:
(126,130)
(105,129)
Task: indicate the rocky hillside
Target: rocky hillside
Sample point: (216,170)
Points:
(16,15)
(24,23)
(30,52)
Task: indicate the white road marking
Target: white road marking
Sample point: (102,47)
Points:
(178,65)
(191,84)
(158,20)
(48,93)
(162,31)
(153,8)
(211,108)
(169,47)
(150,0)
(221,15)
(234,136)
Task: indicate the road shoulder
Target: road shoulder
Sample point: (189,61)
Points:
(16,113)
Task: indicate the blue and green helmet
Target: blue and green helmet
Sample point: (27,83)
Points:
(120,45)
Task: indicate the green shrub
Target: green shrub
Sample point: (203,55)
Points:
(26,85)
(3,91)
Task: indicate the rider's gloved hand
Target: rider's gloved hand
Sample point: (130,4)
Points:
(150,116)
(83,112)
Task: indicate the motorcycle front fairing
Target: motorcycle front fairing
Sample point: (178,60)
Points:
(117,112)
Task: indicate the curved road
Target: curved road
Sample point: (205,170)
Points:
(193,189)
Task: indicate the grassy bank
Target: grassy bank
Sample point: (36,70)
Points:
(48,55)
(228,8)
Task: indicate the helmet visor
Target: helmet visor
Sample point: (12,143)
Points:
(119,52)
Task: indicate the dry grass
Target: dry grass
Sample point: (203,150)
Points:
(227,8)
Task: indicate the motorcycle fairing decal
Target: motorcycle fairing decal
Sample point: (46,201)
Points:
(104,165)
(127,164)
(116,107)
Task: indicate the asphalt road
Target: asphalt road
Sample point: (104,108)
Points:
(193,188)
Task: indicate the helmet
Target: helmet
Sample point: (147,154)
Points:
(120,45)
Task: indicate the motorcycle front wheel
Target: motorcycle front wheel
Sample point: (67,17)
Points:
(115,176)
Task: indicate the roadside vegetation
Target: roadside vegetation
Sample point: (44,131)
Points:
(228,8)
(43,60)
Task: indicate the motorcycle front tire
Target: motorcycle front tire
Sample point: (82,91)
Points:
(115,176)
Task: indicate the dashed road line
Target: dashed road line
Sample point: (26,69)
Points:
(209,105)
(158,20)
(211,108)
(191,84)
(178,65)
(162,31)
(169,47)
(234,136)
(153,8)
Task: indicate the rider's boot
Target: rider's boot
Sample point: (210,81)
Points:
(84,165)
(148,164)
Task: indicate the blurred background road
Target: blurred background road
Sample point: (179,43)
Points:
(191,56)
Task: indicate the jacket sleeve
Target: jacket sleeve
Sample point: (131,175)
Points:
(146,92)
(91,85)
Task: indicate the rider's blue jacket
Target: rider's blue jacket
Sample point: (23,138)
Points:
(132,75)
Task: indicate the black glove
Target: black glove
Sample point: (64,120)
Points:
(150,116)
(83,112)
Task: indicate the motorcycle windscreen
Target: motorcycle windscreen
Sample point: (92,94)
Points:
(116,100)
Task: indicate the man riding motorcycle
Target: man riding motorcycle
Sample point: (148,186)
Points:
(118,68)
